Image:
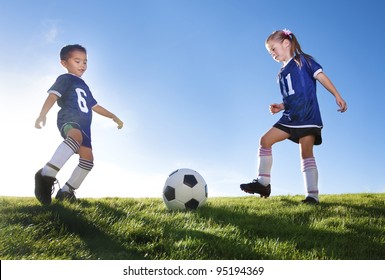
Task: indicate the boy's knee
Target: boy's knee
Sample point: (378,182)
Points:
(86,153)
(75,134)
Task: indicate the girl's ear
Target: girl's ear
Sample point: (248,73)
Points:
(286,43)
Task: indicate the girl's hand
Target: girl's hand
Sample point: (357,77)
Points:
(118,121)
(275,108)
(342,104)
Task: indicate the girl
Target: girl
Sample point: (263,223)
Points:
(301,119)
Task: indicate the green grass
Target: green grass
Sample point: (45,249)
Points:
(341,227)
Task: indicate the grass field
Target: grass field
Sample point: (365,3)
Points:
(349,227)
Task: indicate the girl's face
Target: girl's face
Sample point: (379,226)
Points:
(279,51)
(76,64)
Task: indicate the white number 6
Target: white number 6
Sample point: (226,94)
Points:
(81,100)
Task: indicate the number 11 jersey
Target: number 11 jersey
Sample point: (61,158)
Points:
(298,89)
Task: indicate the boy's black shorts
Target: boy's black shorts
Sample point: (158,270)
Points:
(297,133)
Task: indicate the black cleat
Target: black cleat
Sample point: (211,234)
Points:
(44,187)
(256,187)
(310,200)
(63,195)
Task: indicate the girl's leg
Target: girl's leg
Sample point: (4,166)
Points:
(265,157)
(309,166)
(262,184)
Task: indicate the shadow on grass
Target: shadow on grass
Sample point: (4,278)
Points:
(101,244)
(60,219)
(363,241)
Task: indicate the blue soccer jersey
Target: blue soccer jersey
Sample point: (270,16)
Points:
(298,89)
(75,102)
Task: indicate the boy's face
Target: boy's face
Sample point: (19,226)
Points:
(76,64)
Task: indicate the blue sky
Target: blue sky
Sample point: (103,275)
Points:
(192,81)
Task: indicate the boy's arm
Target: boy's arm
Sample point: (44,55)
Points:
(327,83)
(49,102)
(104,112)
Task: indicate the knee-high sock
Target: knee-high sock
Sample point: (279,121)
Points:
(65,150)
(264,165)
(310,175)
(79,174)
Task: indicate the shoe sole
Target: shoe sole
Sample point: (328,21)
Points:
(39,192)
(310,201)
(265,193)
(63,197)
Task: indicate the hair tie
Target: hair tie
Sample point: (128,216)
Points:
(287,32)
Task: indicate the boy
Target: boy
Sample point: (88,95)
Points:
(74,123)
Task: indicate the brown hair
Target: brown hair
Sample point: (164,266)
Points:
(296,51)
(65,52)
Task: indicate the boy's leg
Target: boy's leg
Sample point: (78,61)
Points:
(65,150)
(79,174)
(45,178)
(309,169)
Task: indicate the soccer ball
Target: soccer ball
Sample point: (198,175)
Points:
(185,189)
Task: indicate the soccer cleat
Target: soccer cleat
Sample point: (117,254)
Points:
(310,200)
(63,195)
(257,187)
(44,187)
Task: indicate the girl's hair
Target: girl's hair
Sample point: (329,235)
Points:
(296,51)
(66,51)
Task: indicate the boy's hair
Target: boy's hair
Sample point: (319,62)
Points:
(281,35)
(66,51)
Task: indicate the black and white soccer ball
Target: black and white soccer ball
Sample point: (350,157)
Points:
(185,189)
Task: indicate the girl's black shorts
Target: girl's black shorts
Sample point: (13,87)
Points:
(297,133)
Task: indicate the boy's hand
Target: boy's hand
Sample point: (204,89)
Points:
(118,121)
(40,122)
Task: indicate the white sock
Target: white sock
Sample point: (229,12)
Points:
(264,165)
(310,175)
(79,174)
(65,150)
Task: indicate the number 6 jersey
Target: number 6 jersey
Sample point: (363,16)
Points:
(298,89)
(75,100)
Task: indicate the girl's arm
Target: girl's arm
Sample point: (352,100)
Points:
(327,83)
(105,113)
(49,102)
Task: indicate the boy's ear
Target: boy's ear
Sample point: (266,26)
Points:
(64,63)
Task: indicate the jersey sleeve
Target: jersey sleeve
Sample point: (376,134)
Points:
(93,102)
(312,66)
(60,86)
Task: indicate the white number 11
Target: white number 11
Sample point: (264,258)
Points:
(290,90)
